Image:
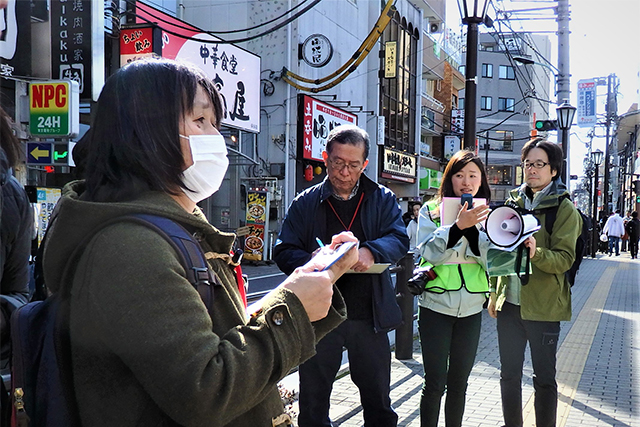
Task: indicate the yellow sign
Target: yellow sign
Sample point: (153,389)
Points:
(390,60)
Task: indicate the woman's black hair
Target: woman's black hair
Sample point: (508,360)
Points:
(8,141)
(133,144)
(456,163)
(554,153)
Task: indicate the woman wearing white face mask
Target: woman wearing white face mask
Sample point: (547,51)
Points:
(145,351)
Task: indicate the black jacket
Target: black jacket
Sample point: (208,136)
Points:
(386,238)
(16,226)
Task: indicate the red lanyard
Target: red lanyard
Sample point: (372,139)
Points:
(354,214)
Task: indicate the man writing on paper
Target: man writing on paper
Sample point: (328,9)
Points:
(347,200)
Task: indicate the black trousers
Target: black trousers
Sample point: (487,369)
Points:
(370,370)
(513,335)
(449,346)
(633,247)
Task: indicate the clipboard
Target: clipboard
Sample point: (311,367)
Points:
(374,269)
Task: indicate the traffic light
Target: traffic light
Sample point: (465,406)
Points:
(636,187)
(545,125)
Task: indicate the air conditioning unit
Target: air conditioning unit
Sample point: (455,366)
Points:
(436,26)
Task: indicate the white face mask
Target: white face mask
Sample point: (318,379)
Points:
(210,162)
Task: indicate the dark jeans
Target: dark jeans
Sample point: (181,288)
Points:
(449,346)
(613,243)
(370,369)
(513,335)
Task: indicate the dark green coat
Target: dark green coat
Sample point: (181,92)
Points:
(144,349)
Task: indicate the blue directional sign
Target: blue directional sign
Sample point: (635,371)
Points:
(39,153)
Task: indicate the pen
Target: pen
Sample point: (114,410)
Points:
(319,242)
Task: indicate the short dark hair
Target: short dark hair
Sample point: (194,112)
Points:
(554,153)
(133,144)
(8,141)
(634,214)
(348,134)
(458,161)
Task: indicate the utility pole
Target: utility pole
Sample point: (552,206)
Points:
(563,79)
(611,109)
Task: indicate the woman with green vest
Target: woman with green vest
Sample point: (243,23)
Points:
(451,305)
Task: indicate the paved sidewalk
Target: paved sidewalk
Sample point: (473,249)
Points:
(599,348)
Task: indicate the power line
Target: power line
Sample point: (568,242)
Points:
(190,28)
(221,41)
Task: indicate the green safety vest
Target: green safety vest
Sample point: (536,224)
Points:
(452,277)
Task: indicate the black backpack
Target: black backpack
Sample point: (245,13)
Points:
(42,379)
(581,241)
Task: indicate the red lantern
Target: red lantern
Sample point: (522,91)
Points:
(308,173)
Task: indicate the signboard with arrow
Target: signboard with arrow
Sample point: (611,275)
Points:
(47,153)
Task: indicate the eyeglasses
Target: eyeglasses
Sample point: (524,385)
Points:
(538,164)
(339,165)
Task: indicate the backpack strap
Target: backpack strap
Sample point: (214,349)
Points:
(189,251)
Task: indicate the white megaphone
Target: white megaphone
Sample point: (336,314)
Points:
(507,228)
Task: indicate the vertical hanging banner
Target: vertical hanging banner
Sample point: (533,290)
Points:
(46,199)
(257,214)
(390,60)
(451,146)
(234,71)
(77,46)
(586,103)
(316,120)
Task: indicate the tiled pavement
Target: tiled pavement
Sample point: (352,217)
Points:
(599,349)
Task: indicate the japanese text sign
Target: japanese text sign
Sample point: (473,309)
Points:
(234,71)
(586,111)
(318,119)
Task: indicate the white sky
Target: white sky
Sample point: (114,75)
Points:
(604,39)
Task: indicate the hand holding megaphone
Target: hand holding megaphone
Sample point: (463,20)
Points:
(470,217)
(530,244)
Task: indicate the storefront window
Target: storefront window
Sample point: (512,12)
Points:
(398,97)
(499,175)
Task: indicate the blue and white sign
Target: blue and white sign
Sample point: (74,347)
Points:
(587,103)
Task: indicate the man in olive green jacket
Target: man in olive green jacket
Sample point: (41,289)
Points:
(532,313)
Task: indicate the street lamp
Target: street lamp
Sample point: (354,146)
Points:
(596,157)
(473,12)
(528,61)
(565,114)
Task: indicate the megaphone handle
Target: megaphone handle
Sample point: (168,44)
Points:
(524,279)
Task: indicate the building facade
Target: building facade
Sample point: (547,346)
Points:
(511,96)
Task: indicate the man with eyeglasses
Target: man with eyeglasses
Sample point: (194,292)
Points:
(347,200)
(533,313)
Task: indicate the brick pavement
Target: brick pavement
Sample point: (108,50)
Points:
(598,351)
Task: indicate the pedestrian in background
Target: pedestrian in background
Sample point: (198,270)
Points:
(412,228)
(145,350)
(347,200)
(532,313)
(16,231)
(614,229)
(625,236)
(449,317)
(633,229)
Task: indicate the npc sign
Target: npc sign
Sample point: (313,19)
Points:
(54,109)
